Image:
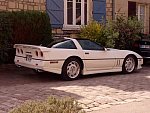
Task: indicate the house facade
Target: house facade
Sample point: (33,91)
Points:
(16,5)
(67,16)
(139,8)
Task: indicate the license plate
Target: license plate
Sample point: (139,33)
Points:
(145,46)
(28,58)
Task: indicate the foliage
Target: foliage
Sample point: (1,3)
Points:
(119,33)
(99,32)
(5,29)
(7,55)
(51,105)
(28,27)
(128,29)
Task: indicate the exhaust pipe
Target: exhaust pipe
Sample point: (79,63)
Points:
(18,66)
(39,70)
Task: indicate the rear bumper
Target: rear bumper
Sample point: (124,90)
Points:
(39,65)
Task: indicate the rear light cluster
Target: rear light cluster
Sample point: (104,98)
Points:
(19,51)
(39,54)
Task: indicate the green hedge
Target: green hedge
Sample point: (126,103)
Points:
(26,27)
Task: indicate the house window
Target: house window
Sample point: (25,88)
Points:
(70,12)
(75,13)
(141,12)
(131,9)
(78,12)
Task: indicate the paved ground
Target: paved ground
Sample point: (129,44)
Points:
(94,92)
(132,107)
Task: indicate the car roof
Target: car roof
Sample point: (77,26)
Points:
(63,38)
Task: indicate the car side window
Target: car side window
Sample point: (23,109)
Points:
(89,45)
(68,44)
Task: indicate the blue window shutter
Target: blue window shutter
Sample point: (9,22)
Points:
(99,10)
(55,10)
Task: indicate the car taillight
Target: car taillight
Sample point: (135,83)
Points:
(41,54)
(36,53)
(21,51)
(18,51)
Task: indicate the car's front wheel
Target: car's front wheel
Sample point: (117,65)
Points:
(71,69)
(129,64)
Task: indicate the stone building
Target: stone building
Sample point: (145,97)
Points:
(139,8)
(15,5)
(84,9)
(96,9)
(67,16)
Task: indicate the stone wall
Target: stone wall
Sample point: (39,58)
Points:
(108,9)
(16,5)
(121,8)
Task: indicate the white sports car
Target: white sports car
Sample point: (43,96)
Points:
(74,57)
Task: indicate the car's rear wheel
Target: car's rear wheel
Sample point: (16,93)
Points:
(129,64)
(71,69)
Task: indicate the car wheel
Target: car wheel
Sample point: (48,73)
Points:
(129,64)
(71,69)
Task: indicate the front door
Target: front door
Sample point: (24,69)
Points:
(96,57)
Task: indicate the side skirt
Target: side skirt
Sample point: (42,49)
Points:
(119,69)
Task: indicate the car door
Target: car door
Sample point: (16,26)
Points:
(97,57)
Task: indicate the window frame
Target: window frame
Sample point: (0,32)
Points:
(74,26)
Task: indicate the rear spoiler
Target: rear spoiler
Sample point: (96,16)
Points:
(23,46)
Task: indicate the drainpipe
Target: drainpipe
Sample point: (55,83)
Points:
(113,9)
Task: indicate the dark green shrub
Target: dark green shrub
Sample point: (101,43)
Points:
(5,29)
(25,27)
(128,29)
(30,27)
(51,105)
(7,55)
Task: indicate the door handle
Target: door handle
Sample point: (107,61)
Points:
(87,53)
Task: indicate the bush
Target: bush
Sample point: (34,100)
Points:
(7,55)
(128,29)
(51,105)
(99,32)
(26,27)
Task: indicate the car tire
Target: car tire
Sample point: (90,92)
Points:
(129,64)
(71,69)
